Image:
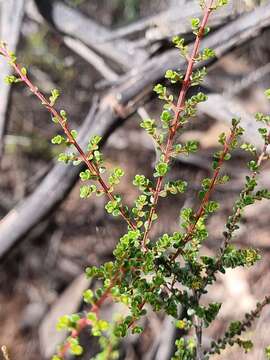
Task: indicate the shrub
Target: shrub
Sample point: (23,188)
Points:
(171,271)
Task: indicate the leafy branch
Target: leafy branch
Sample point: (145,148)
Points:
(61,119)
(170,271)
(174,125)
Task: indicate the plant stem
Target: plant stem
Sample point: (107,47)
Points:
(198,331)
(177,112)
(63,123)
(201,210)
(231,339)
(235,217)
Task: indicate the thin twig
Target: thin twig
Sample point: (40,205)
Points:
(201,210)
(235,217)
(175,123)
(90,165)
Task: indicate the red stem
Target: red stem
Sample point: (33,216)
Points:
(91,166)
(177,111)
(201,211)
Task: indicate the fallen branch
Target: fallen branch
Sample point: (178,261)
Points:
(222,41)
(57,184)
(72,23)
(222,108)
(168,23)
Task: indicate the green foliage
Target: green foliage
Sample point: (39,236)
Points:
(75,347)
(267,352)
(11,79)
(170,271)
(186,349)
(87,190)
(58,139)
(54,96)
(267,93)
(113,207)
(234,257)
(198,76)
(195,25)
(206,54)
(68,322)
(115,177)
(174,76)
(179,43)
(161,169)
(94,143)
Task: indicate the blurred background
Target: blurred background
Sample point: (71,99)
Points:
(105,56)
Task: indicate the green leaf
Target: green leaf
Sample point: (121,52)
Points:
(87,190)
(253,166)
(179,43)
(161,91)
(88,296)
(249,148)
(11,79)
(137,330)
(173,76)
(63,157)
(198,76)
(161,169)
(24,71)
(247,345)
(114,178)
(166,117)
(207,54)
(141,182)
(55,93)
(58,139)
(92,317)
(267,93)
(191,146)
(86,175)
(195,24)
(227,156)
(267,352)
(63,115)
(74,134)
(75,347)
(63,323)
(113,207)
(94,142)
(211,207)
(149,125)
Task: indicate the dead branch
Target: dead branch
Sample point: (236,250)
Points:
(60,180)
(224,40)
(72,23)
(170,22)
(222,108)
